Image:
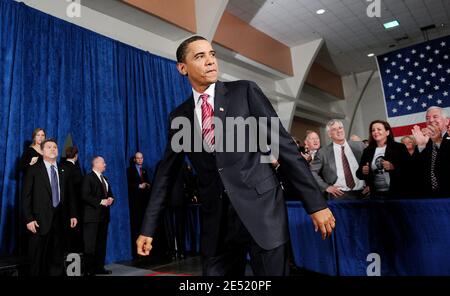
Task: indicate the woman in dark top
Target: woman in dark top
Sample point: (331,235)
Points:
(384,163)
(33,153)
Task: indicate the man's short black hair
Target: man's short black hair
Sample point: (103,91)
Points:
(181,50)
(46,141)
(71,152)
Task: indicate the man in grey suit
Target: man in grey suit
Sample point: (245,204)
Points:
(335,165)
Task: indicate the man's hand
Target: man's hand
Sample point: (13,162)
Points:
(104,202)
(32,226)
(333,190)
(306,156)
(73,222)
(110,201)
(324,220)
(144,245)
(365,169)
(420,136)
(366,191)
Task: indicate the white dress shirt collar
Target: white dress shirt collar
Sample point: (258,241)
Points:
(209,91)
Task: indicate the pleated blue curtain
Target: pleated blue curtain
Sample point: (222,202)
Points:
(112,98)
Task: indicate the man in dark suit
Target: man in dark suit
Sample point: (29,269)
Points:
(334,166)
(180,194)
(97,198)
(46,194)
(432,154)
(73,173)
(242,205)
(138,195)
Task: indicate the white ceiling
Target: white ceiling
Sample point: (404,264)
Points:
(348,32)
(136,17)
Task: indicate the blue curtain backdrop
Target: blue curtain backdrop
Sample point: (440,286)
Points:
(114,100)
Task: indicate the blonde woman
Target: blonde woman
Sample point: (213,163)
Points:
(410,143)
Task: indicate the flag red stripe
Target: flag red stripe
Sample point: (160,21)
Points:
(405,130)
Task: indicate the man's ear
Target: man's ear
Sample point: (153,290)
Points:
(182,69)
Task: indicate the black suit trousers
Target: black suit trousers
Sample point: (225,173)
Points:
(46,252)
(235,243)
(95,236)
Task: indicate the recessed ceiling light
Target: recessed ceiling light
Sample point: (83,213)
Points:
(371,54)
(391,24)
(320,11)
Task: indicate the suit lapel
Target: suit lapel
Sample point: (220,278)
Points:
(61,181)
(221,101)
(196,130)
(331,158)
(46,176)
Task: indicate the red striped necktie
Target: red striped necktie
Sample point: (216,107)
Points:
(207,122)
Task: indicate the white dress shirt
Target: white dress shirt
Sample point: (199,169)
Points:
(354,165)
(48,166)
(198,102)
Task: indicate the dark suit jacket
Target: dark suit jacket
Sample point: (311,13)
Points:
(92,194)
(37,196)
(251,186)
(323,166)
(73,174)
(422,163)
(397,154)
(25,160)
(134,180)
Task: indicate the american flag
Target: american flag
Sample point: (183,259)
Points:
(414,79)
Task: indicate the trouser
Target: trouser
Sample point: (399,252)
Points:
(236,243)
(46,251)
(95,236)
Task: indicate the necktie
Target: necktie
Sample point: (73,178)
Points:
(55,186)
(207,122)
(105,190)
(347,171)
(140,174)
(434,181)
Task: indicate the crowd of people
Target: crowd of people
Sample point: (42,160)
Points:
(382,168)
(74,210)
(243,210)
(66,212)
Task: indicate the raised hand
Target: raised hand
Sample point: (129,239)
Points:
(420,136)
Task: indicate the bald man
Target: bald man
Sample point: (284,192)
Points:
(97,198)
(138,195)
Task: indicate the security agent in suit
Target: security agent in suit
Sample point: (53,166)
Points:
(97,198)
(46,194)
(434,174)
(74,236)
(328,166)
(138,195)
(243,208)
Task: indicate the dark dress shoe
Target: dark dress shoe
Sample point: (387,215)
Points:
(103,271)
